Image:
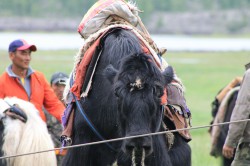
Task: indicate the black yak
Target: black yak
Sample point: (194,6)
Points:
(125,100)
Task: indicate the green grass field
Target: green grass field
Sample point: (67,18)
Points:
(203,74)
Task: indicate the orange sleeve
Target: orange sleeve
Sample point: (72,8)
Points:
(2,87)
(1,92)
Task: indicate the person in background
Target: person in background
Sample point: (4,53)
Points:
(57,82)
(22,81)
(239,133)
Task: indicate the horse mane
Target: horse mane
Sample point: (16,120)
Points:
(32,136)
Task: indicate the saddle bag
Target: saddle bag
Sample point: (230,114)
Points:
(96,16)
(177,111)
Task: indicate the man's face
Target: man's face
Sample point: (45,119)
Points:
(21,58)
(58,89)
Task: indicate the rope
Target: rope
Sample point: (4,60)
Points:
(123,138)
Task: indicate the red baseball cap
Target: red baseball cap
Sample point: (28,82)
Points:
(21,44)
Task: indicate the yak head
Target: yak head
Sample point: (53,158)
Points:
(138,85)
(13,111)
(22,131)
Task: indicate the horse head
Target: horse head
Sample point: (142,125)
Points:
(139,85)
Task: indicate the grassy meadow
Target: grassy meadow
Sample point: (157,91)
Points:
(203,74)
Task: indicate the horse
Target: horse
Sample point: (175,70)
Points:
(23,131)
(226,105)
(125,100)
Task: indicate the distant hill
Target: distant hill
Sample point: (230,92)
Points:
(224,22)
(203,22)
(159,16)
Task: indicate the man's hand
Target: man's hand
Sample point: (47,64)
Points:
(228,151)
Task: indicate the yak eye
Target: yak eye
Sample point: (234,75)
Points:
(158,91)
(116,93)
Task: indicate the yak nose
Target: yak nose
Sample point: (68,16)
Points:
(138,145)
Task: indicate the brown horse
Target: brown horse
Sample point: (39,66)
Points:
(222,108)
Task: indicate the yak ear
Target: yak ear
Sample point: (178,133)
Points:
(168,74)
(110,73)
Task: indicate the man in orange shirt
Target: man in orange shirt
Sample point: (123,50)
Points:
(22,81)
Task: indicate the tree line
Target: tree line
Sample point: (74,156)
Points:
(77,8)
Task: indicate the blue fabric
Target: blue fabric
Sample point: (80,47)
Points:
(15,44)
